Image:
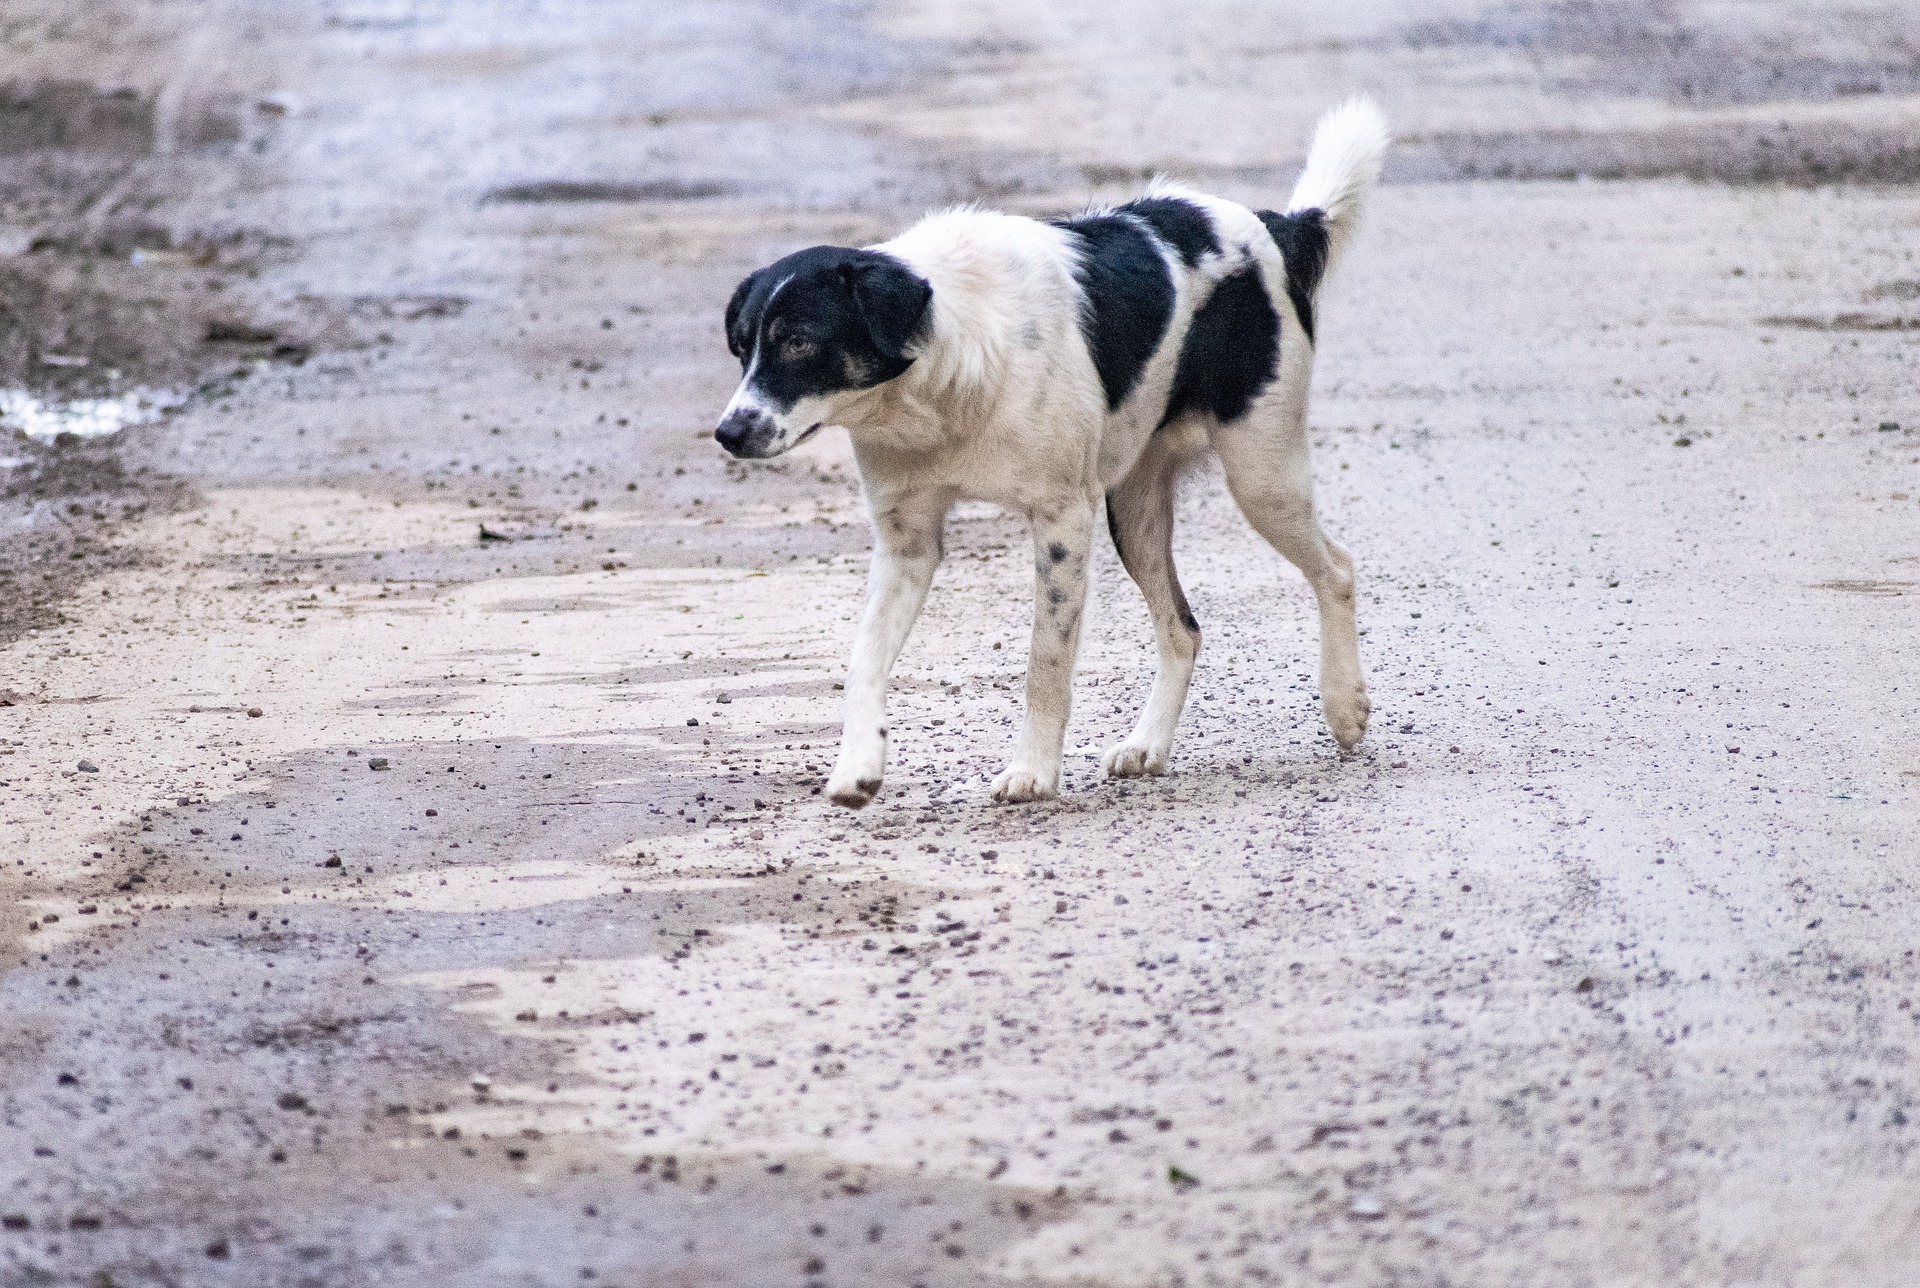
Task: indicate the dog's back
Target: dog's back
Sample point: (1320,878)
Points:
(1188,307)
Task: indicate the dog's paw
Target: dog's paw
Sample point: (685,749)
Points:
(1131,760)
(1016,786)
(854,793)
(1347,717)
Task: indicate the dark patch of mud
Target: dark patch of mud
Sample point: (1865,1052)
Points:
(1844,322)
(564,190)
(393,308)
(1857,586)
(1657,48)
(1805,154)
(101,287)
(74,116)
(92,320)
(1899,290)
(61,509)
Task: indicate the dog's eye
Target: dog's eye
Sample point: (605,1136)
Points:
(796,347)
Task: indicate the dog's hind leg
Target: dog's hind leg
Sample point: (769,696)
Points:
(906,551)
(1268,472)
(1140,517)
(1062,543)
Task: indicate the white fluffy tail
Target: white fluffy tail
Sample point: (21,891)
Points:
(1342,166)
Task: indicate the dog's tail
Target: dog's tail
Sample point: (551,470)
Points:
(1342,166)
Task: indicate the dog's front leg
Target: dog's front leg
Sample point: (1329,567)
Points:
(906,551)
(1061,543)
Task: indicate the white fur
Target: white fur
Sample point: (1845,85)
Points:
(1343,165)
(1003,404)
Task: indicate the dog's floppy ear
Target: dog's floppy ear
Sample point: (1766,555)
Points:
(740,338)
(892,302)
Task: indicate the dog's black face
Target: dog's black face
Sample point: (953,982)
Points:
(819,323)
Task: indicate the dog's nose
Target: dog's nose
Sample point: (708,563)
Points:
(738,427)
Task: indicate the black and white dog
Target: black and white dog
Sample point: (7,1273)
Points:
(1048,367)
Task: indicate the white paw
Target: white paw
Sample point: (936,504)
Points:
(1131,760)
(1347,716)
(1015,786)
(852,791)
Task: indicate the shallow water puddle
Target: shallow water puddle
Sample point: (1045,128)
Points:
(83,417)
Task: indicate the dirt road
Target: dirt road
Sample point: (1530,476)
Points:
(413,869)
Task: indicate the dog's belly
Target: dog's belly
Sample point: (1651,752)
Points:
(1121,443)
(1126,438)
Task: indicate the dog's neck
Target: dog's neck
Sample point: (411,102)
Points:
(940,402)
(895,416)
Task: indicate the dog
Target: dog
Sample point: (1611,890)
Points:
(1053,367)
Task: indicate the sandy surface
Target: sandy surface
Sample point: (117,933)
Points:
(510,943)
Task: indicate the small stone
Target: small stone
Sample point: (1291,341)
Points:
(291,1101)
(723,697)
(378,762)
(482,1084)
(1367,1206)
(433,813)
(255,712)
(692,723)
(87,767)
(218,1250)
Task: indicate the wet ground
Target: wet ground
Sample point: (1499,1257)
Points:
(410,743)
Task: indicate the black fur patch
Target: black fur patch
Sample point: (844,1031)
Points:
(1302,240)
(1180,224)
(826,319)
(1231,352)
(1127,294)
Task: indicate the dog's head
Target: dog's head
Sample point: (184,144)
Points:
(810,328)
